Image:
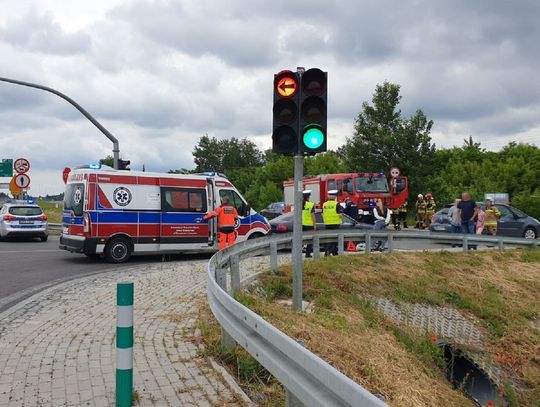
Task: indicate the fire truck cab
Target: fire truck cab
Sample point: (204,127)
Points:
(118,213)
(362,188)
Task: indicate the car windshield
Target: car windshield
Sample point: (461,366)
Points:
(519,213)
(25,210)
(371,184)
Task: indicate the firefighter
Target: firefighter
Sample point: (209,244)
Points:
(395,219)
(420,212)
(308,217)
(492,215)
(331,214)
(402,214)
(430,209)
(227,217)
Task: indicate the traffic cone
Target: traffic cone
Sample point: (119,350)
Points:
(351,247)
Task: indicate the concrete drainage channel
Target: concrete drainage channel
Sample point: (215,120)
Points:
(462,345)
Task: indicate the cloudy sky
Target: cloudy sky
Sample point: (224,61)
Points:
(159,74)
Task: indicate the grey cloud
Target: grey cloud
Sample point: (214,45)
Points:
(39,33)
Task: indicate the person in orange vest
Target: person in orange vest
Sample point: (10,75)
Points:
(227,216)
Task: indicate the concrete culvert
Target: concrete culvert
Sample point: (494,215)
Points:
(470,379)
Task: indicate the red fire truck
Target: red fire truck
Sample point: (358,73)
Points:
(361,188)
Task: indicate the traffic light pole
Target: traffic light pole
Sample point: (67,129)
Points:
(116,147)
(297,233)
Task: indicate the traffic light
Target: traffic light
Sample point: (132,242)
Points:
(285,113)
(312,101)
(124,165)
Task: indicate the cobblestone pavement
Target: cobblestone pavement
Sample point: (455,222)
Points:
(58,347)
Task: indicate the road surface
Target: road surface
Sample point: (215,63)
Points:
(29,266)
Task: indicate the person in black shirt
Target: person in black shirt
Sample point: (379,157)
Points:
(467,212)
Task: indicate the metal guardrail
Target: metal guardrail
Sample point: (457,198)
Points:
(55,226)
(308,379)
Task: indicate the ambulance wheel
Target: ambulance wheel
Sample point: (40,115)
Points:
(118,250)
(255,235)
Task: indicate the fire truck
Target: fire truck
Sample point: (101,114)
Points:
(116,214)
(362,188)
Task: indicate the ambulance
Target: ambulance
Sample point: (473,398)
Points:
(116,214)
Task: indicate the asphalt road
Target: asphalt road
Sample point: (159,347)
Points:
(28,266)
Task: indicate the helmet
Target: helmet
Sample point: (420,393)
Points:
(489,198)
(225,200)
(420,196)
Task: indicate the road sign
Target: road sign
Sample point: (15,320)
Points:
(394,172)
(21,165)
(65,174)
(14,189)
(6,167)
(286,86)
(21,180)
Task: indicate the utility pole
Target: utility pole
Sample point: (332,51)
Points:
(116,146)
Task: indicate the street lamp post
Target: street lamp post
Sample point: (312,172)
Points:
(116,146)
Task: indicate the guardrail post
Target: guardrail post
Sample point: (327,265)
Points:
(501,245)
(235,274)
(273,257)
(390,243)
(316,247)
(124,344)
(368,244)
(227,341)
(465,244)
(341,243)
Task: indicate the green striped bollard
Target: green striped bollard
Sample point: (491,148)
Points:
(124,344)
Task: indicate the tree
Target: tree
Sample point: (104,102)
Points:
(382,138)
(211,154)
(109,160)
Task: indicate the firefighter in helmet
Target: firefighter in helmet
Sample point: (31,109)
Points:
(227,217)
(420,212)
(331,214)
(402,215)
(308,217)
(492,215)
(430,209)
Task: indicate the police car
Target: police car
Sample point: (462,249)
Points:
(23,219)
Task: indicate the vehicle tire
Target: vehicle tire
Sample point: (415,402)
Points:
(43,238)
(255,236)
(118,250)
(529,233)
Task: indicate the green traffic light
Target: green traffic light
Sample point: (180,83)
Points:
(313,138)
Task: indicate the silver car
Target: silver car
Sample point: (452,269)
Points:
(23,219)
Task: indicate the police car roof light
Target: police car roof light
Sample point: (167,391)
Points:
(94,166)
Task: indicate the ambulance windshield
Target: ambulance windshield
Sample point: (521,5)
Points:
(74,198)
(371,184)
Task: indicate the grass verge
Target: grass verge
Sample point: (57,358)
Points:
(500,290)
(53,213)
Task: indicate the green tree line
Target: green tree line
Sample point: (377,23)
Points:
(382,138)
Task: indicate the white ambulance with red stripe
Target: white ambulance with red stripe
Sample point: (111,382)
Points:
(118,213)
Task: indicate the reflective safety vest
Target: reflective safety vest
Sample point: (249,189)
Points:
(226,215)
(402,208)
(492,215)
(329,213)
(306,214)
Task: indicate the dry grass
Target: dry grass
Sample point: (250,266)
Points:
(502,291)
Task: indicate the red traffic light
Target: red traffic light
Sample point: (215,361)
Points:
(285,83)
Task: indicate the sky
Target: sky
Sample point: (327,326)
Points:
(160,74)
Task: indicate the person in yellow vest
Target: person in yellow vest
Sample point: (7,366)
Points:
(430,209)
(492,215)
(332,217)
(402,214)
(308,217)
(420,212)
